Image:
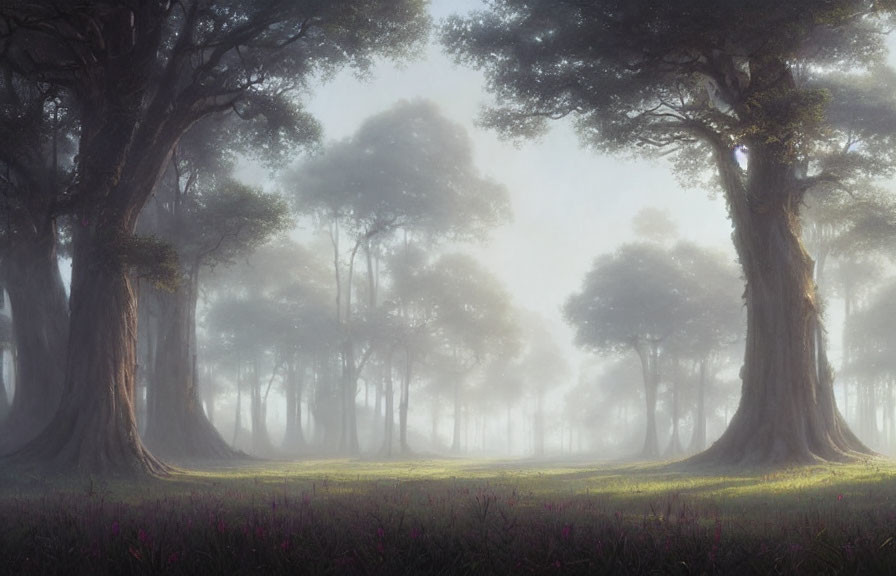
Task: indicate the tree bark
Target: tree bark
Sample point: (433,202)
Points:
(40,324)
(787,413)
(95,430)
(177,427)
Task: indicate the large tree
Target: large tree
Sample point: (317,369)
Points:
(142,74)
(36,136)
(739,87)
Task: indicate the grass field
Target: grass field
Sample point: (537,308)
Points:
(455,516)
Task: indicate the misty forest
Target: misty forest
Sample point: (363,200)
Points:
(447,286)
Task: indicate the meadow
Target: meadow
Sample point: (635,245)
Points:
(441,516)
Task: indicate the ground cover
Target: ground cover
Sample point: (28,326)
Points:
(454,516)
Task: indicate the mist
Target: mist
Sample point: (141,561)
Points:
(538,275)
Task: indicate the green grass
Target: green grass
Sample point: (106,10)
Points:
(455,516)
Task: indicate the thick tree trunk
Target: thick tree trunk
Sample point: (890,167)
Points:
(40,324)
(787,413)
(177,427)
(95,430)
(698,441)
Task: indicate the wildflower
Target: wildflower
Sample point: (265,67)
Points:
(566,531)
(172,558)
(142,536)
(839,497)
(115,528)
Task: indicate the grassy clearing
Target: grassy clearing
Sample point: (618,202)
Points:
(455,516)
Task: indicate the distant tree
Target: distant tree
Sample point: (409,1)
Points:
(472,322)
(872,339)
(716,322)
(655,225)
(275,313)
(210,220)
(140,79)
(407,168)
(743,89)
(543,366)
(633,300)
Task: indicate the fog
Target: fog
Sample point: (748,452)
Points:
(382,275)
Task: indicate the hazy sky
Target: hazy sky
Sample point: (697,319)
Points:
(570,205)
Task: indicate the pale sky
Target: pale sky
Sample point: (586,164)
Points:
(570,205)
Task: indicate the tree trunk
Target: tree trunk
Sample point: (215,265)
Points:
(4,397)
(698,442)
(674,448)
(509,431)
(386,450)
(294,437)
(403,404)
(787,413)
(177,427)
(647,355)
(538,427)
(455,439)
(348,440)
(261,442)
(95,430)
(238,417)
(40,324)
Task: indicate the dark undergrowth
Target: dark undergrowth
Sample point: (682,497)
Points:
(457,517)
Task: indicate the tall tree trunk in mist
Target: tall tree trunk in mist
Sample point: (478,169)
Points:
(389,424)
(538,425)
(238,413)
(698,441)
(95,429)
(650,375)
(787,413)
(674,448)
(40,325)
(455,438)
(348,438)
(261,442)
(177,426)
(294,437)
(4,397)
(403,402)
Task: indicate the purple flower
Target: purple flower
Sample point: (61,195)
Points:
(115,528)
